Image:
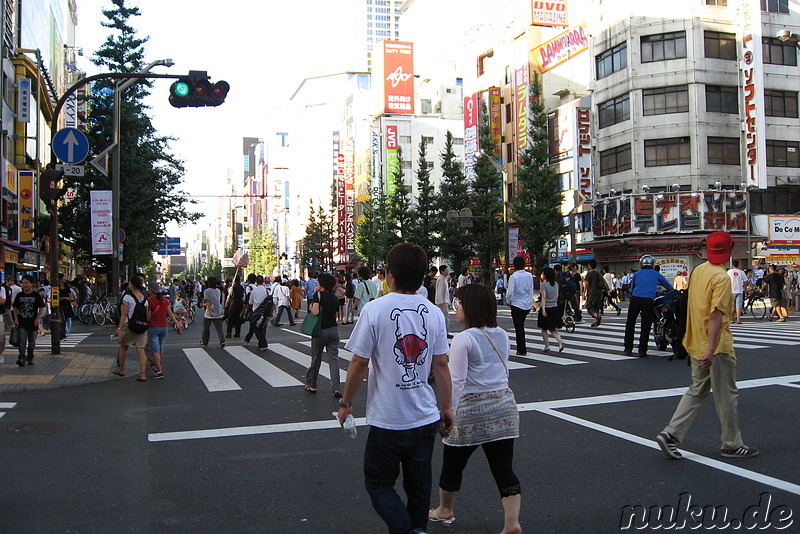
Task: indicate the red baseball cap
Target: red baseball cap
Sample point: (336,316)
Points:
(718,247)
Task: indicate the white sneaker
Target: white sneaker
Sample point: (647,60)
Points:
(2,360)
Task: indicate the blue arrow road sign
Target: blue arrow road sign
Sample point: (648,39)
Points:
(70,145)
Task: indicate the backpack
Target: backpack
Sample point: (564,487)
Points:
(568,284)
(138,321)
(259,317)
(349,290)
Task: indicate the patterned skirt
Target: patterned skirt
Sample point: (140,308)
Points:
(484,417)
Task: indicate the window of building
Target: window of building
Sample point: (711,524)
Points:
(426,105)
(723,150)
(716,2)
(405,139)
(662,46)
(406,164)
(458,141)
(664,152)
(783,153)
(775,6)
(615,159)
(720,45)
(612,60)
(776,52)
(722,99)
(662,100)
(429,164)
(775,200)
(615,110)
(427,140)
(780,103)
(483,60)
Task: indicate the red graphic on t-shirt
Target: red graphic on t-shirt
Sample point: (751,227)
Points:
(411,347)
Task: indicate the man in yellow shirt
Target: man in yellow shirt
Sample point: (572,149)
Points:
(709,341)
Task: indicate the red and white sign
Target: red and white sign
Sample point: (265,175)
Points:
(471,147)
(100,212)
(398,77)
(754,146)
(341,191)
(583,152)
(350,196)
(566,45)
(547,13)
(521,80)
(784,230)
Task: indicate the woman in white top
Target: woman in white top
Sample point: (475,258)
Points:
(127,337)
(485,410)
(550,314)
(212,300)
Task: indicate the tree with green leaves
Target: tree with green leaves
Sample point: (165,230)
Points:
(151,175)
(262,251)
(536,208)
(371,233)
(399,206)
(487,199)
(455,245)
(424,228)
(319,242)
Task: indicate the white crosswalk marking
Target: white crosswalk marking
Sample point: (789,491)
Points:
(549,359)
(304,359)
(268,372)
(210,372)
(43,342)
(619,332)
(6,406)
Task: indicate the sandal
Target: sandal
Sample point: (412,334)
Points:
(436,519)
(141,379)
(118,373)
(310,389)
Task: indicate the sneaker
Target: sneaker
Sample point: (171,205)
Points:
(669,446)
(20,362)
(222,345)
(627,352)
(157,375)
(742,452)
(30,362)
(153,368)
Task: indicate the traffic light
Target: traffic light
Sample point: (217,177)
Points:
(48,185)
(196,91)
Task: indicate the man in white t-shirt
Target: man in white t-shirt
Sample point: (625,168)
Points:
(280,293)
(463,278)
(400,338)
(257,295)
(442,293)
(738,283)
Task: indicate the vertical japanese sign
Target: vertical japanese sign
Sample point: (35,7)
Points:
(470,136)
(100,212)
(752,95)
(583,152)
(81,107)
(10,180)
(392,160)
(341,192)
(494,121)
(376,152)
(521,80)
(24,100)
(26,208)
(398,77)
(350,195)
(549,12)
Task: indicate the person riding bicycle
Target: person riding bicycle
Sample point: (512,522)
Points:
(180,308)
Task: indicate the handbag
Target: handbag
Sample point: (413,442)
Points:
(495,349)
(312,325)
(13,337)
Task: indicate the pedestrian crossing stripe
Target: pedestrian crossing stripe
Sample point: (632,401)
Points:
(43,342)
(272,375)
(6,406)
(619,331)
(210,371)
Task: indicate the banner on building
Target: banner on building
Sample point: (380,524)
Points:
(670,213)
(549,13)
(26,179)
(10,177)
(341,191)
(471,146)
(24,100)
(392,159)
(583,152)
(495,121)
(398,77)
(350,195)
(515,245)
(559,49)
(784,230)
(100,213)
(376,160)
(521,81)
(754,146)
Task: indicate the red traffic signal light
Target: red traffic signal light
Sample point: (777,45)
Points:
(48,185)
(195,90)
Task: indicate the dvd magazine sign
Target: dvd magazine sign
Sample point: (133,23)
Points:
(549,13)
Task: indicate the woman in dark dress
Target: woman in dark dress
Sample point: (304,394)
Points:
(235,305)
(549,319)
(326,305)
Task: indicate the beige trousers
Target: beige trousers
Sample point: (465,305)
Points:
(721,380)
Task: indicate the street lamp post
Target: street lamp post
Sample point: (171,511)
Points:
(115,171)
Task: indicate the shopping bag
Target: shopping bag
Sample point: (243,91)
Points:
(311,325)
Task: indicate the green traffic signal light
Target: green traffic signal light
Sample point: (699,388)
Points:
(180,89)
(195,90)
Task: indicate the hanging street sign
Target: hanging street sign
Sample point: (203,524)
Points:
(70,145)
(70,170)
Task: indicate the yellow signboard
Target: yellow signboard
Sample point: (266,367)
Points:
(10,182)
(26,207)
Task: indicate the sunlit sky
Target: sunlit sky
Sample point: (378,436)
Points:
(262,48)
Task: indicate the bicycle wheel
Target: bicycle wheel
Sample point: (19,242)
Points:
(758,308)
(85,314)
(569,324)
(659,335)
(99,314)
(190,316)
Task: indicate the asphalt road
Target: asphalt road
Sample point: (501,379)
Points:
(245,449)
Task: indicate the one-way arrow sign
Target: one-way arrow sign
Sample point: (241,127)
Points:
(70,145)
(100,162)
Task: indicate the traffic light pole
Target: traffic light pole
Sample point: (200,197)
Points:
(55,318)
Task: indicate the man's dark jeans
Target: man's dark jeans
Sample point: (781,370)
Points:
(518,316)
(385,452)
(646,308)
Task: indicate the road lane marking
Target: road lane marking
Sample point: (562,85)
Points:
(210,372)
(272,375)
(7,405)
(249,430)
(304,359)
(547,359)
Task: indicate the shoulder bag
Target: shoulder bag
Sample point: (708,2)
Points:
(312,324)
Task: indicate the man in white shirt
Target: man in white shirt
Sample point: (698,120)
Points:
(281,293)
(257,296)
(400,338)
(738,282)
(463,278)
(520,299)
(608,277)
(443,294)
